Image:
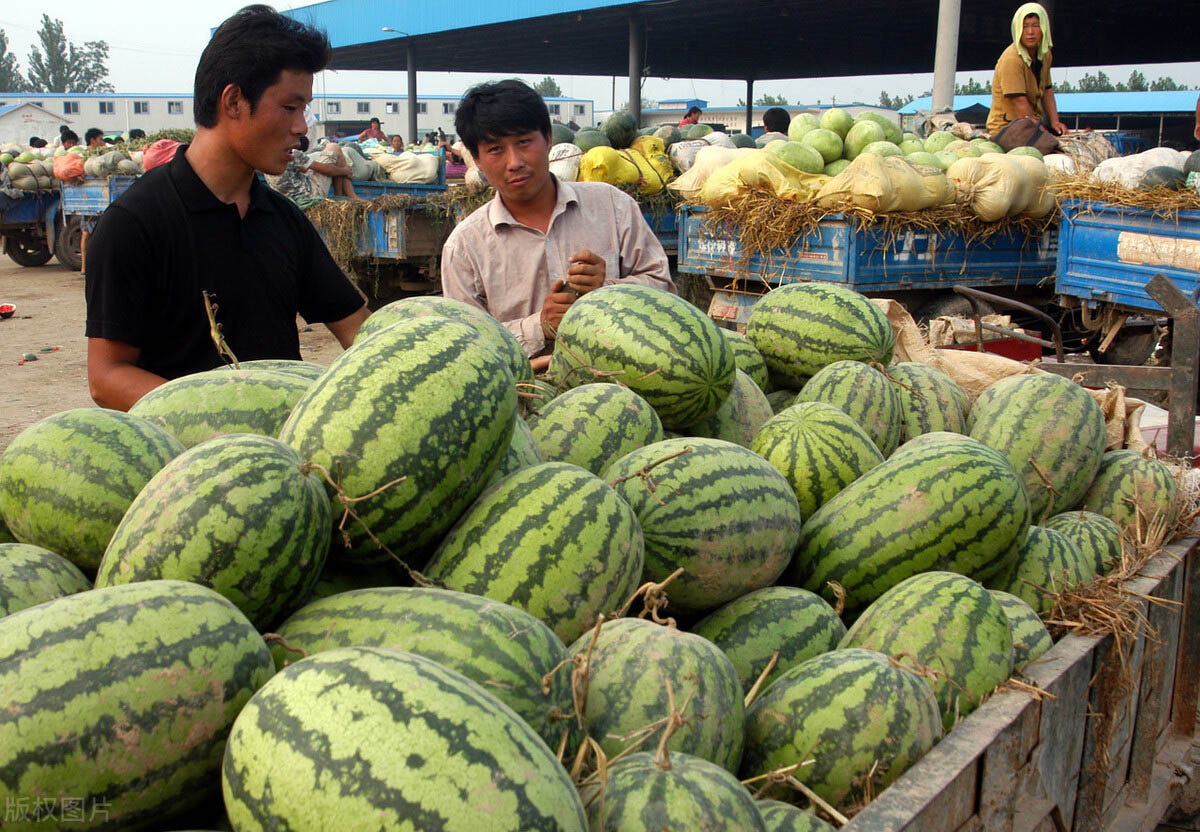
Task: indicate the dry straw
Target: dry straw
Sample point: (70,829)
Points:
(1164,202)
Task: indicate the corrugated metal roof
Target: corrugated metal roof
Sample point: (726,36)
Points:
(1088,103)
(8,108)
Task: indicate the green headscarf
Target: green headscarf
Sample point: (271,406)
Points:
(1018,22)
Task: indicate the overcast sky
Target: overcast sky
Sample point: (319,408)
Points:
(154,48)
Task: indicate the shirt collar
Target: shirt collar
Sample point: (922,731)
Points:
(196,196)
(498,213)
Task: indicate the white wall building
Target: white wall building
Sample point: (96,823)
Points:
(20,122)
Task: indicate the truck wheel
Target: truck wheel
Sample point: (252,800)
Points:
(68,244)
(1132,347)
(26,251)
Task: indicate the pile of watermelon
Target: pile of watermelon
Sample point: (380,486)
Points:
(424,588)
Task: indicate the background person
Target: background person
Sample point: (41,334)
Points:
(69,139)
(1021,83)
(136,133)
(775,126)
(691,117)
(397,143)
(374,131)
(317,176)
(94,137)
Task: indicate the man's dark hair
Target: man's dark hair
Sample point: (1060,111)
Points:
(694,110)
(250,50)
(136,133)
(776,120)
(62,128)
(92,133)
(70,135)
(497,109)
(34,141)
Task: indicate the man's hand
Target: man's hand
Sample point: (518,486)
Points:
(1061,128)
(554,307)
(585,271)
(541,363)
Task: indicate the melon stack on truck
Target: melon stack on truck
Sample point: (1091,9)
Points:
(421,589)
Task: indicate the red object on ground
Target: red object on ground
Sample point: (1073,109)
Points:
(1013,348)
(7,310)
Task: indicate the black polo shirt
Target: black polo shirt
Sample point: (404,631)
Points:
(168,239)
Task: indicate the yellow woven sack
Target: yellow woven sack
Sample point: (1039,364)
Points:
(649,145)
(760,169)
(604,164)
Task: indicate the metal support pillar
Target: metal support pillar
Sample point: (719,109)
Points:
(749,105)
(412,92)
(945,58)
(635,68)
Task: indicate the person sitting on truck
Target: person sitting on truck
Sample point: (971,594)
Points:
(203,226)
(540,243)
(375,132)
(775,126)
(136,133)
(36,142)
(69,139)
(312,177)
(94,137)
(691,117)
(397,143)
(1021,84)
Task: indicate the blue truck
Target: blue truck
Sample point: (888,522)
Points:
(33,229)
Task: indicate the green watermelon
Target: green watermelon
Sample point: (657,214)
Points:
(425,400)
(364,733)
(936,437)
(302,369)
(891,130)
(1192,163)
(501,648)
(560,133)
(714,508)
(780,400)
(66,481)
(1045,564)
(748,359)
(945,622)
(552,540)
(31,575)
(1096,536)
(337,578)
(818,448)
(1129,489)
(122,698)
(1030,638)
(631,663)
(670,135)
(850,711)
(742,140)
(778,816)
(590,137)
(621,128)
(522,452)
(658,344)
(952,505)
(245,519)
(1163,176)
(801,327)
(698,131)
(740,417)
(793,622)
(1050,429)
(595,424)
(929,399)
(862,393)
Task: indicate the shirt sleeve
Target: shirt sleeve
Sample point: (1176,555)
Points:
(120,280)
(326,295)
(642,257)
(1010,73)
(461,281)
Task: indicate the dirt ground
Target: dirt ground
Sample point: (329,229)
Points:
(50,313)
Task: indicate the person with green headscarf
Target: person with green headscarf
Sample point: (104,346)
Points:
(1021,85)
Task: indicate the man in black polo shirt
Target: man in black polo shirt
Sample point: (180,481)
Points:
(205,223)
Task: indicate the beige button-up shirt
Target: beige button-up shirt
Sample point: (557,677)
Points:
(506,268)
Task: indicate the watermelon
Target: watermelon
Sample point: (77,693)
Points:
(850,711)
(1046,564)
(929,399)
(860,136)
(1129,489)
(595,424)
(1050,429)
(682,792)
(490,330)
(534,395)
(522,452)
(793,622)
(837,120)
(1030,638)
(302,369)
(123,698)
(780,400)
(945,622)
(1192,163)
(621,129)
(801,327)
(748,359)
(740,417)
(31,575)
(631,663)
(801,124)
(66,481)
(698,131)
(1096,536)
(245,519)
(365,732)
(590,137)
(742,140)
(552,540)
(560,133)
(425,400)
(336,578)
(835,167)
(952,505)
(826,142)
(778,816)
(801,156)
(1163,176)
(1027,150)
(658,344)
(818,448)
(718,510)
(862,393)
(936,437)
(501,648)
(884,148)
(891,130)
(670,135)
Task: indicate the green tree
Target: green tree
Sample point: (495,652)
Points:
(894,102)
(769,100)
(548,88)
(973,87)
(1166,83)
(11,79)
(1099,82)
(647,104)
(1136,83)
(62,66)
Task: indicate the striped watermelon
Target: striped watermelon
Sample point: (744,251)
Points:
(739,418)
(793,622)
(784,817)
(425,400)
(501,648)
(522,452)
(683,792)
(123,698)
(364,736)
(1030,638)
(245,519)
(801,327)
(31,575)
(719,511)
(1046,564)
(929,399)
(1050,429)
(780,400)
(661,346)
(66,481)
(748,359)
(819,449)
(850,711)
(310,370)
(594,424)
(631,663)
(1129,489)
(952,505)
(936,437)
(1096,536)
(493,333)
(945,622)
(552,540)
(219,402)
(534,395)
(862,393)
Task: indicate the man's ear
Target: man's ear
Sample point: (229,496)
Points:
(233,104)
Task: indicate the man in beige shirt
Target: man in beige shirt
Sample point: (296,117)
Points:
(527,255)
